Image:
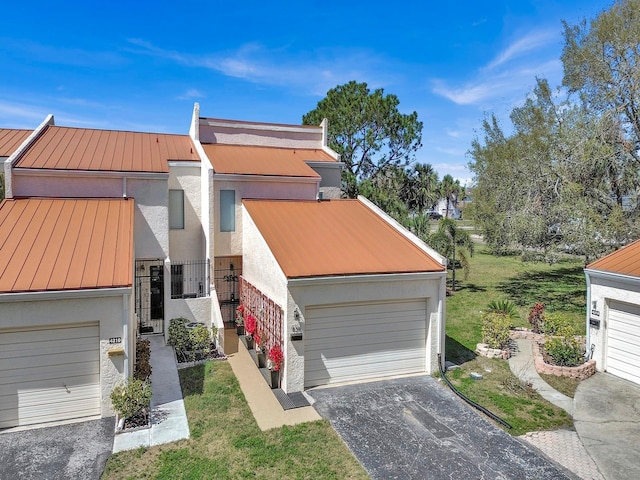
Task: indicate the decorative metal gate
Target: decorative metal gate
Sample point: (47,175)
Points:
(149,295)
(226,277)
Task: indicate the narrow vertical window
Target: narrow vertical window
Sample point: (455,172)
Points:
(176,209)
(227,210)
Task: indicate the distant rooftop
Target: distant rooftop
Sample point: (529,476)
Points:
(337,237)
(66,148)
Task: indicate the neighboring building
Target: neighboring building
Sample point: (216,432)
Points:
(109,234)
(613,312)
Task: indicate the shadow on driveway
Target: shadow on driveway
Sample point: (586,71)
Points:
(414,428)
(74,451)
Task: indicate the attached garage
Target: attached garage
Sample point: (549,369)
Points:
(362,298)
(623,341)
(49,374)
(66,307)
(613,313)
(364,340)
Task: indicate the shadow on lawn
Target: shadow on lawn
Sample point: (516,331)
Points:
(456,352)
(192,380)
(561,289)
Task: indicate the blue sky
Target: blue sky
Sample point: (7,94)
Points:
(142,65)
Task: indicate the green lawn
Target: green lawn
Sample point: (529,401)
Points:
(561,287)
(227,443)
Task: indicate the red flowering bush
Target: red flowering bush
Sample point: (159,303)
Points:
(277,357)
(240,315)
(536,317)
(250,325)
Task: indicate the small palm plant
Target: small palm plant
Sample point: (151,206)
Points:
(505,307)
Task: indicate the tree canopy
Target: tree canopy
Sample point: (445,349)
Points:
(367,130)
(568,175)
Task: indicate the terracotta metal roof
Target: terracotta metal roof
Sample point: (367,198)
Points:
(65,148)
(271,161)
(337,237)
(11,139)
(65,244)
(625,261)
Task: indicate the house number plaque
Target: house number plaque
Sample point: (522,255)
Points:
(114,340)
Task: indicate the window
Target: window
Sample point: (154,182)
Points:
(177,281)
(227,210)
(176,209)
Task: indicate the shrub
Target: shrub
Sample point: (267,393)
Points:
(131,398)
(495,329)
(142,370)
(200,339)
(178,334)
(565,351)
(556,324)
(503,306)
(240,315)
(536,317)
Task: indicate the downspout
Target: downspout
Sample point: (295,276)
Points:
(588,350)
(125,334)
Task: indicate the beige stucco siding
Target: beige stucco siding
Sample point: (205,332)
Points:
(230,243)
(187,243)
(112,313)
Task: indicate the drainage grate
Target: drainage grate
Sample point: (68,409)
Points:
(292,400)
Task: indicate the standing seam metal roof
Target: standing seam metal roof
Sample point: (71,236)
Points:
(65,244)
(67,148)
(337,237)
(625,261)
(260,160)
(11,139)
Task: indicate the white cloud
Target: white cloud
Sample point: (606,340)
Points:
(190,94)
(313,72)
(529,42)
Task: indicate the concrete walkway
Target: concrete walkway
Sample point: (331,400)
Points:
(607,419)
(265,407)
(522,366)
(168,416)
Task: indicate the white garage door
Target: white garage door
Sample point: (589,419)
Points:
(623,341)
(49,374)
(360,341)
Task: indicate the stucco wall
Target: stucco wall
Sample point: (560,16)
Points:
(151,218)
(261,135)
(230,243)
(604,289)
(32,184)
(195,309)
(187,243)
(111,312)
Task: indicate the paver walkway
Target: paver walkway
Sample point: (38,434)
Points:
(562,446)
(168,415)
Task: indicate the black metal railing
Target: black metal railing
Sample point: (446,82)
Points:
(190,279)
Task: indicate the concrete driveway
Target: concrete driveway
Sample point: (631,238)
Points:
(607,419)
(73,451)
(415,428)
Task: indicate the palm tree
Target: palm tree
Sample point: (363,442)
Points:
(450,190)
(421,189)
(455,244)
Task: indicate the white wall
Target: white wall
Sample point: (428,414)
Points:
(152,217)
(109,311)
(604,288)
(187,243)
(230,243)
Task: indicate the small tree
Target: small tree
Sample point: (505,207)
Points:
(455,244)
(536,317)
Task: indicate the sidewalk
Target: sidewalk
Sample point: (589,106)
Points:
(563,446)
(265,407)
(168,415)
